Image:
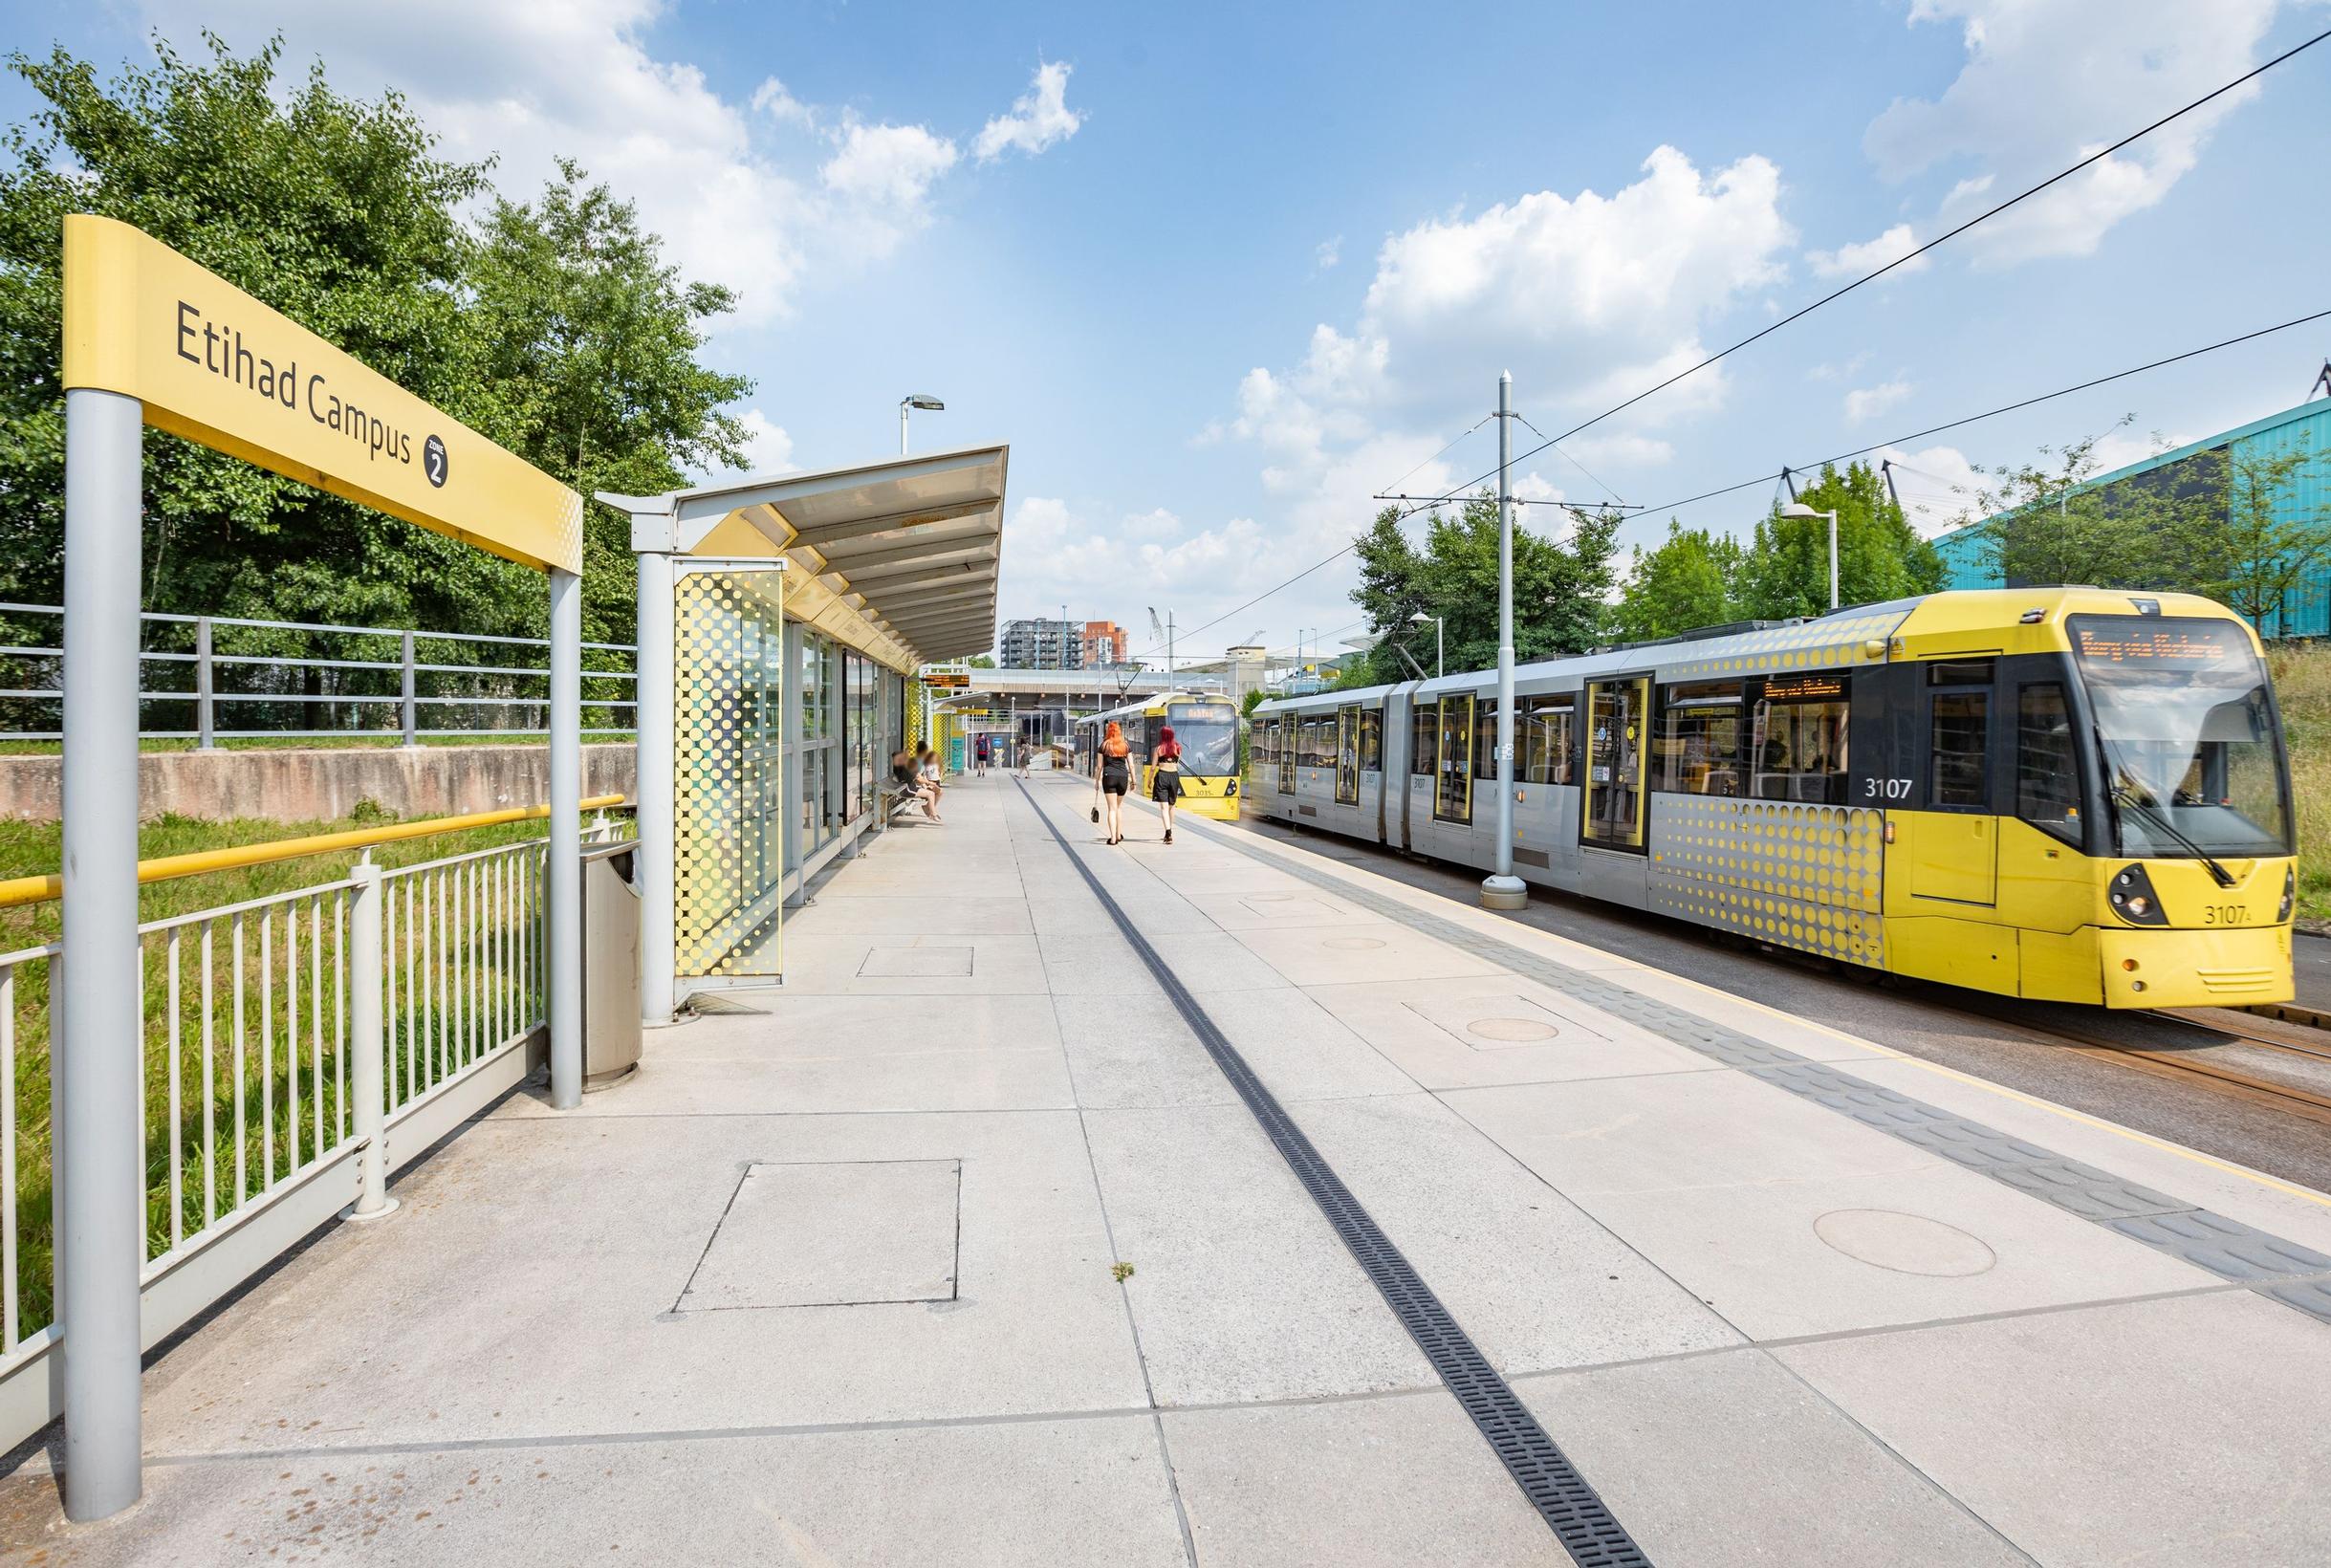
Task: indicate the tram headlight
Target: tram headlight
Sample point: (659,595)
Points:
(2133,899)
(2290,894)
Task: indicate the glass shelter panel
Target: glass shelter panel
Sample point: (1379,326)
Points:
(727,765)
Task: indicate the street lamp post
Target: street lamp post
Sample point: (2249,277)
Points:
(1440,666)
(913,401)
(1797,510)
(1501,889)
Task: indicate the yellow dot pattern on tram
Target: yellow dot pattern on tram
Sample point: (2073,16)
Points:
(1797,876)
(727,664)
(1832,641)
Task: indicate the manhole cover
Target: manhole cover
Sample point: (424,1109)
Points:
(1905,1243)
(1511,1028)
(1352,944)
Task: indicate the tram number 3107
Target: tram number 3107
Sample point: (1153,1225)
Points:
(1886,789)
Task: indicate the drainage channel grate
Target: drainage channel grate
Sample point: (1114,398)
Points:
(1571,1508)
(2283,1271)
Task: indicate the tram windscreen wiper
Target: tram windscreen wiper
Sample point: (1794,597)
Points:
(2122,795)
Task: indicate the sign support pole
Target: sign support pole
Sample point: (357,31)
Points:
(652,861)
(100,1189)
(1501,889)
(564,912)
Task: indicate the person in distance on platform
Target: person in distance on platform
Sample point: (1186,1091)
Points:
(1116,766)
(979,757)
(1166,775)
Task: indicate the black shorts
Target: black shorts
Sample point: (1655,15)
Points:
(1115,781)
(1166,785)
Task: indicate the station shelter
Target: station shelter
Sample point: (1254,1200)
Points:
(783,620)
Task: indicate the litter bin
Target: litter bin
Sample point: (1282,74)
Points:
(610,966)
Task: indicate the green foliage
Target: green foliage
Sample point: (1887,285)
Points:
(1687,582)
(1252,701)
(2043,522)
(1785,570)
(556,328)
(980,661)
(2236,524)
(1559,589)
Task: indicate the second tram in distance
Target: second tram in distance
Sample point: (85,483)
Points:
(2053,792)
(1206,728)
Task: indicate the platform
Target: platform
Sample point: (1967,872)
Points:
(832,1278)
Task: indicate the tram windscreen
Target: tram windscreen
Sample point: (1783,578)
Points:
(1209,733)
(2188,732)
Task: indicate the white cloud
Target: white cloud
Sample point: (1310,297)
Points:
(1329,253)
(1865,402)
(732,185)
(1868,256)
(2047,82)
(889,164)
(1039,117)
(767,449)
(1937,485)
(1620,449)
(1828,370)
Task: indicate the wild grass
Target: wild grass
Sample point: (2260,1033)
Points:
(2302,686)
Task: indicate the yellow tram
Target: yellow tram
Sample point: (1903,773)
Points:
(2055,793)
(1208,730)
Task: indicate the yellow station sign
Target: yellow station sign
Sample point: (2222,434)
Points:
(215,365)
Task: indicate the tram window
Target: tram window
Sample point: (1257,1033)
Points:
(1697,749)
(1544,738)
(1424,739)
(1959,672)
(1371,739)
(1798,749)
(1958,737)
(2047,767)
(1484,740)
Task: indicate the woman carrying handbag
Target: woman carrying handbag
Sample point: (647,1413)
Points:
(1113,777)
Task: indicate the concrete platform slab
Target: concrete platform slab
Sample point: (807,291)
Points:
(1239,1290)
(1299,1049)
(2179,1431)
(833,1233)
(1027,1494)
(1328,956)
(1340,1485)
(1001,965)
(1411,1021)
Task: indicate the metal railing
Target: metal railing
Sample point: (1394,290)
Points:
(369,682)
(296,1047)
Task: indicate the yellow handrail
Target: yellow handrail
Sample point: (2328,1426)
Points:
(22,890)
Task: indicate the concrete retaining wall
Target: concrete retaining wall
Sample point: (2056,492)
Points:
(321,784)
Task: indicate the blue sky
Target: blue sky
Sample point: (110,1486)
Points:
(1218,272)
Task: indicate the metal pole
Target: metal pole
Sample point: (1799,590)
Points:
(1439,648)
(1501,889)
(1833,559)
(564,915)
(652,862)
(101,1232)
(366,1046)
(204,718)
(902,427)
(410,705)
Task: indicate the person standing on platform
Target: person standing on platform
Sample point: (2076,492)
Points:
(1116,767)
(979,757)
(1166,775)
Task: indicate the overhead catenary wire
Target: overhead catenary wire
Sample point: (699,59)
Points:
(1946,236)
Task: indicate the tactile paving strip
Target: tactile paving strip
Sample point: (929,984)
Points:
(2227,1248)
(1572,1508)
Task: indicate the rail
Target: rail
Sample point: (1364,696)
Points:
(297,1047)
(360,690)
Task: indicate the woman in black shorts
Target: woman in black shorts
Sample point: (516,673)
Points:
(1116,779)
(1166,775)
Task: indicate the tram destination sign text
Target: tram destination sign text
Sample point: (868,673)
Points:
(213,364)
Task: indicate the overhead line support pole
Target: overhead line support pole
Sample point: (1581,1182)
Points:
(1501,889)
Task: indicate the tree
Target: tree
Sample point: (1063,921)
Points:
(1560,588)
(1685,583)
(586,348)
(1881,556)
(2044,523)
(2250,529)
(336,212)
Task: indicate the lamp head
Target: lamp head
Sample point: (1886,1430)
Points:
(1799,508)
(1420,618)
(920,399)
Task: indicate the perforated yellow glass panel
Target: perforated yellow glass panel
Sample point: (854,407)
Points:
(728,771)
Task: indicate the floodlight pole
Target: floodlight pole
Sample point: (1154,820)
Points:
(1501,889)
(564,912)
(100,1110)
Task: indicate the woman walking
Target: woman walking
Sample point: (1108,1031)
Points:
(1115,768)
(1166,775)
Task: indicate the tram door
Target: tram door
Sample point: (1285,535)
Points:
(1618,713)
(1347,757)
(1287,735)
(1452,789)
(1955,853)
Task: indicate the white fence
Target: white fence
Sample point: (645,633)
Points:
(297,1048)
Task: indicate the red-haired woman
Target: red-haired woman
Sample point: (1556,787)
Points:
(1166,775)
(1116,766)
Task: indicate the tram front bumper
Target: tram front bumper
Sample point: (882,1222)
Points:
(2241,966)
